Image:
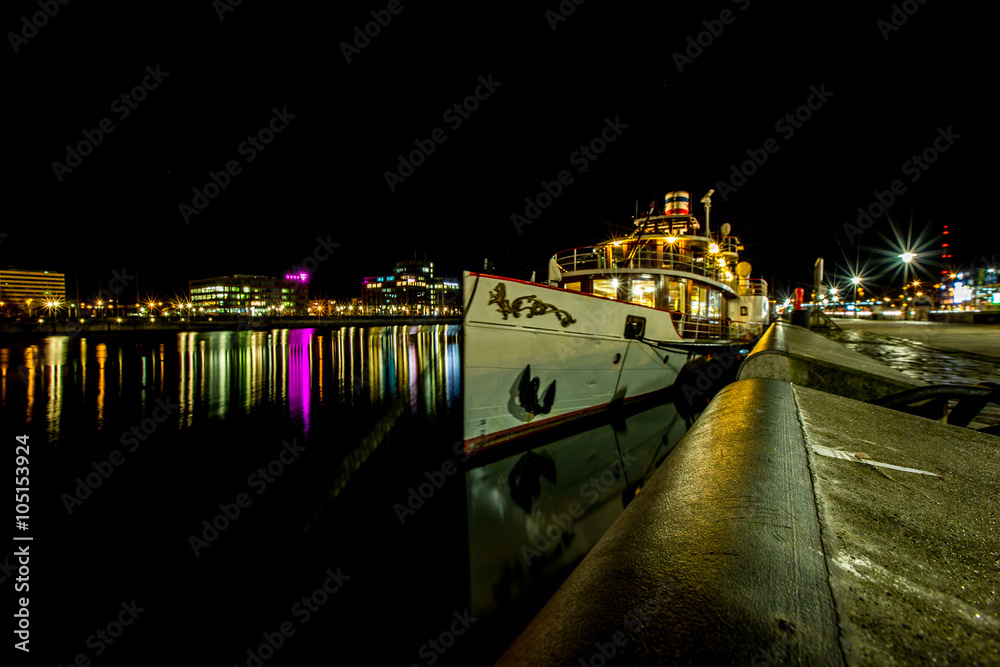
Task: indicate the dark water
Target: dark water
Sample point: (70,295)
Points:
(340,451)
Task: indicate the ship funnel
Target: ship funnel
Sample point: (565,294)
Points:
(677,203)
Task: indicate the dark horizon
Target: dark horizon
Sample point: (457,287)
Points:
(301,136)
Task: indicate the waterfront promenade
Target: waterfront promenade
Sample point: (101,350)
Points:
(974,338)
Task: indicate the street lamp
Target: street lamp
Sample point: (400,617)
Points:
(857,281)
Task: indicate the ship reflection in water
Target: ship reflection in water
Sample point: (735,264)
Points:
(533,516)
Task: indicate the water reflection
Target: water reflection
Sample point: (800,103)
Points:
(928,365)
(101,353)
(534,515)
(55,362)
(228,373)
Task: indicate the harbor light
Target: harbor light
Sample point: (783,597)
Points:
(907,256)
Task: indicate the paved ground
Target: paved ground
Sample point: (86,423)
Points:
(975,338)
(913,551)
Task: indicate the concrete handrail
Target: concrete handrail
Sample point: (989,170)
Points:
(717,560)
(772,341)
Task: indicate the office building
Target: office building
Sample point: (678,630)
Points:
(412,289)
(250,295)
(28,292)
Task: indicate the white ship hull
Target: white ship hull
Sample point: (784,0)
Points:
(572,345)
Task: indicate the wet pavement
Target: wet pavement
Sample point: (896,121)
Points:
(932,352)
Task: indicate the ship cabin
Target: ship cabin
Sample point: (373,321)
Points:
(667,264)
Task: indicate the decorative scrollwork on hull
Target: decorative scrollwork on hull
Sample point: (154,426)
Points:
(531,305)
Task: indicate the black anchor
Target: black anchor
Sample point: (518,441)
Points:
(527,391)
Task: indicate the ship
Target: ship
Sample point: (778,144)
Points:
(615,322)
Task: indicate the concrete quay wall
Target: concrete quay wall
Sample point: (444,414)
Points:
(796,525)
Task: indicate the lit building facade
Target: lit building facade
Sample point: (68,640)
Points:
(977,289)
(412,289)
(249,294)
(29,291)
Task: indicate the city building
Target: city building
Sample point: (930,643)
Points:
(972,289)
(412,289)
(250,294)
(29,292)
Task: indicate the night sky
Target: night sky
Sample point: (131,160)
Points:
(221,79)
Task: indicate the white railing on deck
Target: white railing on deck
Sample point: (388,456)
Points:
(700,329)
(752,287)
(596,259)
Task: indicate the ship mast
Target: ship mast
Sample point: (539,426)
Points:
(707,201)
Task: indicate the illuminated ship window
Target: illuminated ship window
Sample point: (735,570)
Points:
(644,292)
(606,288)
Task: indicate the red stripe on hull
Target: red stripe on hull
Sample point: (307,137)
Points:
(484,441)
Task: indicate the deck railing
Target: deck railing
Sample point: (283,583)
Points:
(701,329)
(590,259)
(752,287)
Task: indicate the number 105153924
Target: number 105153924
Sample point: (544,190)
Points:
(21,482)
